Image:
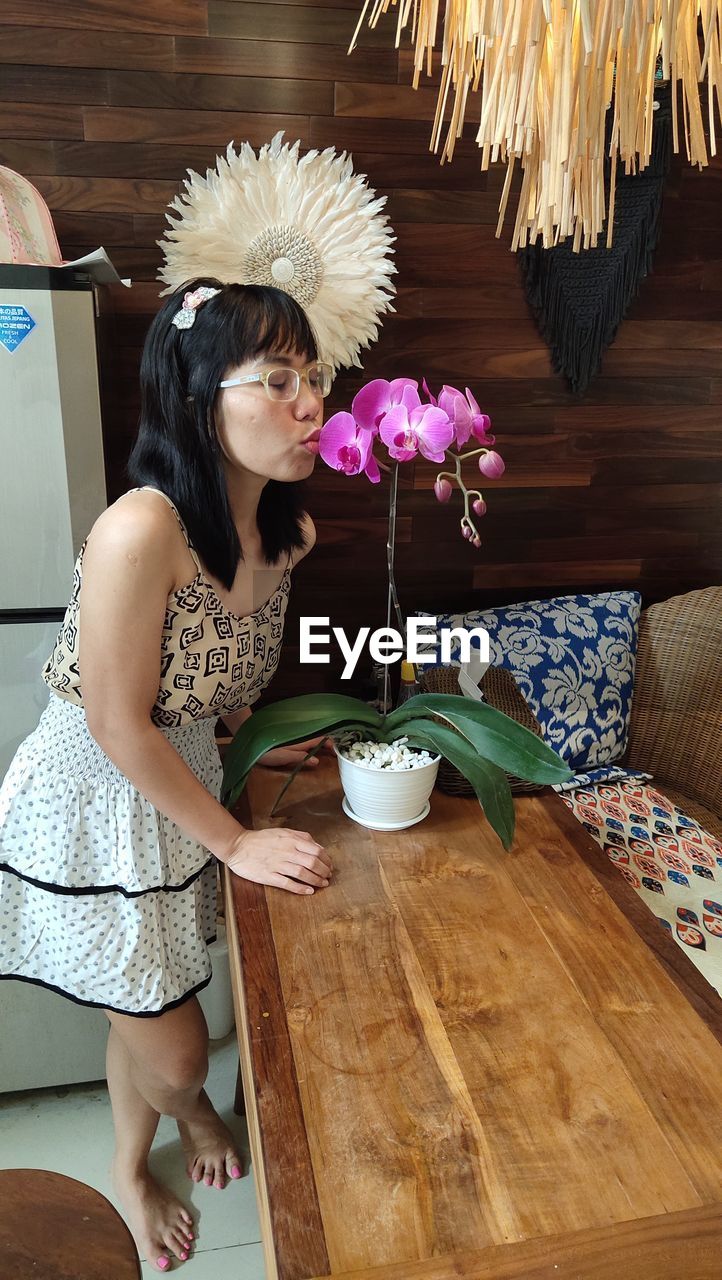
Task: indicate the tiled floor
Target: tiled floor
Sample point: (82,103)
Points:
(71,1131)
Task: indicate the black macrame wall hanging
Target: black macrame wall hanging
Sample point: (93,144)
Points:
(580,299)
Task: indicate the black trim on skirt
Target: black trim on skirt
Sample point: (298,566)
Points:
(97,1004)
(76,892)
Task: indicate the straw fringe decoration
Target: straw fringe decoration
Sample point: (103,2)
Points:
(547,71)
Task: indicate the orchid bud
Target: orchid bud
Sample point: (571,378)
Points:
(442,490)
(479,507)
(491,464)
(476,541)
(465,530)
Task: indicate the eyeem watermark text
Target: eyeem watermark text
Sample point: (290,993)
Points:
(388,645)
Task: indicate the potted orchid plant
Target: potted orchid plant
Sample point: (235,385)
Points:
(483,743)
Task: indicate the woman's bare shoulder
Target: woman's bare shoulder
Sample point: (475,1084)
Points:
(139,525)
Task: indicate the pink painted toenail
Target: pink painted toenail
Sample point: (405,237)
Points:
(164,1263)
(235,1172)
(183,1257)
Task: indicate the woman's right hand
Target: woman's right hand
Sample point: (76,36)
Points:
(281,857)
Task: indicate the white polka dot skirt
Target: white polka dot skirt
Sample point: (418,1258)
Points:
(102,897)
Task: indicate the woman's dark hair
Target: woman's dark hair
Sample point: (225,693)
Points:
(177,450)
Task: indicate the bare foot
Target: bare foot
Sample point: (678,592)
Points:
(158,1221)
(209,1146)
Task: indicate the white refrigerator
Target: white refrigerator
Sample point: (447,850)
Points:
(52,489)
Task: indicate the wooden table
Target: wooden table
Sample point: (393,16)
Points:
(461,1062)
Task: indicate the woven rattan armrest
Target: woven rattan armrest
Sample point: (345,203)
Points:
(676,722)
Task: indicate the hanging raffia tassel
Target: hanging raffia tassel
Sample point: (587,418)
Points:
(546,71)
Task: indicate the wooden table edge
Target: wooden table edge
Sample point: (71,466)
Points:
(249,1093)
(244,895)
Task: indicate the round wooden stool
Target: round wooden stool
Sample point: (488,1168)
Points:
(52,1227)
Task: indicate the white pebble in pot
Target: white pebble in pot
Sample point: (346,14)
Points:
(395,756)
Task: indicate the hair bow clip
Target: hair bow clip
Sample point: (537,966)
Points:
(184,318)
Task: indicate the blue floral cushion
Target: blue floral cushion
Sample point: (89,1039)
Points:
(573,659)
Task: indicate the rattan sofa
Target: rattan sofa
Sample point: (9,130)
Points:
(676,723)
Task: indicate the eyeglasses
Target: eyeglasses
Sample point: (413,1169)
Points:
(285,383)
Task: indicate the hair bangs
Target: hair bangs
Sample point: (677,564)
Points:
(265,320)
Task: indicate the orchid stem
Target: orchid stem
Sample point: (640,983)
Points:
(393,598)
(458,459)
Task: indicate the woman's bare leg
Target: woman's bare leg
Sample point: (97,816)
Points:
(160,1224)
(157,1066)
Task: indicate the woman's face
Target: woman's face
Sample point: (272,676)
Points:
(265,437)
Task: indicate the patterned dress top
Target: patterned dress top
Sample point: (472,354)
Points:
(212,661)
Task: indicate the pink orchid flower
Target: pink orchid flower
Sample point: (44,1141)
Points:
(378,396)
(480,422)
(345,446)
(423,429)
(455,405)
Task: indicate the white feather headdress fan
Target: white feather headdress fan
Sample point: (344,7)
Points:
(309,226)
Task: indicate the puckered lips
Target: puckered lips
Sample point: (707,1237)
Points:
(311,441)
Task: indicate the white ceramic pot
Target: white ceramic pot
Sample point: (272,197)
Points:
(386,799)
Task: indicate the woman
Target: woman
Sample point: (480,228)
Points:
(110,822)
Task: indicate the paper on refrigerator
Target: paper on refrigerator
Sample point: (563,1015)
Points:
(99,267)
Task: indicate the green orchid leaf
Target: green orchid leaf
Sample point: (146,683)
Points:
(289,721)
(489,782)
(495,736)
(245,752)
(338,706)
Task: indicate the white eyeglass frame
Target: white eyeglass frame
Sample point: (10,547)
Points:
(301,374)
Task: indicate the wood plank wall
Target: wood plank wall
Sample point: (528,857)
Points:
(105,103)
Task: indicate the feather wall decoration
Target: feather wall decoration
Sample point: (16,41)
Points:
(306,224)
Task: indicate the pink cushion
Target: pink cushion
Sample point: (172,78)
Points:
(669,859)
(27,234)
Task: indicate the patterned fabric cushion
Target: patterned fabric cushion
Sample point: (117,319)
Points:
(669,859)
(573,659)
